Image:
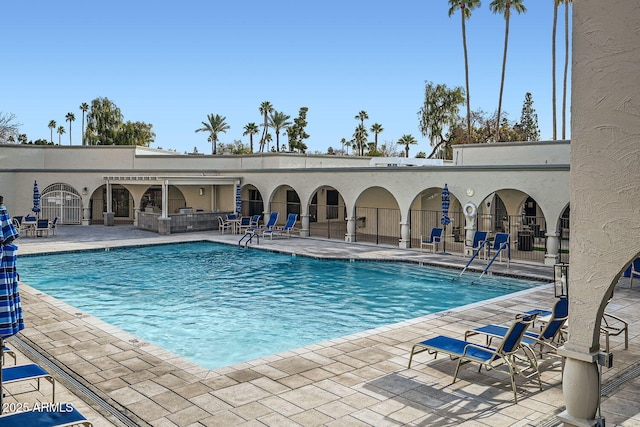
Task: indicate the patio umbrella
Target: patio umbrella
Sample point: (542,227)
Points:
(445,220)
(11,320)
(36,198)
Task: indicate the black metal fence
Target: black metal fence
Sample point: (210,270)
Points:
(378,225)
(327,221)
(382,226)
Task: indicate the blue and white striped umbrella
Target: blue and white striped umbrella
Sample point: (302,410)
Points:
(36,198)
(445,220)
(11,320)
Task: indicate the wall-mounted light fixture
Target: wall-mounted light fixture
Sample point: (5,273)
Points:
(201,191)
(85,190)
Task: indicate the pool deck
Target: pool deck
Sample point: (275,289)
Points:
(358,380)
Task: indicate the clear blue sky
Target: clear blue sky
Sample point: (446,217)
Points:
(170,64)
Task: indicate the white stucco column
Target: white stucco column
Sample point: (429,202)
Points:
(351,230)
(304,219)
(553,246)
(165,200)
(86,212)
(109,215)
(405,235)
(470,212)
(605,124)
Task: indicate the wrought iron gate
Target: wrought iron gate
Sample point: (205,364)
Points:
(61,200)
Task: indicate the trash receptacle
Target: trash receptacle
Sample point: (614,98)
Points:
(525,241)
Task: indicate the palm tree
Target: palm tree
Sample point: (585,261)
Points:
(465,6)
(376,128)
(504,7)
(362,116)
(60,132)
(278,121)
(70,117)
(265,109)
(250,129)
(407,140)
(214,126)
(52,126)
(566,66)
(345,143)
(83,107)
(360,138)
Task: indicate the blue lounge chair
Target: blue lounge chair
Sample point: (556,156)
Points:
(54,225)
(28,372)
(500,243)
(8,352)
(479,243)
(635,271)
(550,335)
(489,357)
(431,240)
(271,223)
(64,417)
(291,222)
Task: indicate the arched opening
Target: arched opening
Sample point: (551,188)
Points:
(63,201)
(377,217)
(285,201)
(327,214)
(426,213)
(252,203)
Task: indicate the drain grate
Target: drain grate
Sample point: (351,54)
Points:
(52,367)
(628,374)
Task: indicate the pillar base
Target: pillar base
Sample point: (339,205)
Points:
(404,244)
(550,259)
(349,238)
(164,226)
(568,420)
(109,218)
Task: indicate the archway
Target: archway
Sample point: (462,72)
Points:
(327,214)
(63,201)
(377,217)
(426,212)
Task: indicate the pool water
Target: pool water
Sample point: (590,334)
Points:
(217,305)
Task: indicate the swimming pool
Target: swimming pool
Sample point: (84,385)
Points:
(217,305)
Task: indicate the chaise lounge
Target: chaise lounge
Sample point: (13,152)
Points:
(505,353)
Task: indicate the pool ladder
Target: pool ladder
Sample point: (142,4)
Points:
(249,235)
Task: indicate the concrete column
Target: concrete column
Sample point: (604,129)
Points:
(165,201)
(605,124)
(164,226)
(304,219)
(108,215)
(351,230)
(469,227)
(86,215)
(405,235)
(580,387)
(553,246)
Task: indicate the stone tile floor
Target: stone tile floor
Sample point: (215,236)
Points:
(358,380)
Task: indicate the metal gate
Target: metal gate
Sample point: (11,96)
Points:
(61,200)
